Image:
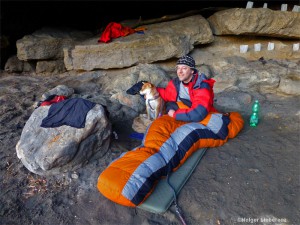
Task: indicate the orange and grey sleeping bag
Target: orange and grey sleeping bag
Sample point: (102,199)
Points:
(167,144)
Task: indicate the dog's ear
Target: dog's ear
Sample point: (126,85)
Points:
(135,88)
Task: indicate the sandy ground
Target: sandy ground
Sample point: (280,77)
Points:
(252,179)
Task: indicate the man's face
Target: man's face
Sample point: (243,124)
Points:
(184,73)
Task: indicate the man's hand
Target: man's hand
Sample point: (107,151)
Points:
(171,112)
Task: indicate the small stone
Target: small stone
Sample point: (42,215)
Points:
(254,170)
(74,176)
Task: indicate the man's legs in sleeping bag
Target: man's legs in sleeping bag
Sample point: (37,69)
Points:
(167,144)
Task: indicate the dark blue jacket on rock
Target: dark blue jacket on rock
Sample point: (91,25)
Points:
(71,112)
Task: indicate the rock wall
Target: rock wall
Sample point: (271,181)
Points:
(215,43)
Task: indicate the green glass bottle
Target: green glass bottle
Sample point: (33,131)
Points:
(255,112)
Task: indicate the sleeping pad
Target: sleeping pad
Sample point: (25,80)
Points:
(130,179)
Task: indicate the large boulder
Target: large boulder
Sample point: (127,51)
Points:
(160,42)
(290,84)
(261,75)
(55,150)
(48,67)
(256,21)
(13,64)
(48,43)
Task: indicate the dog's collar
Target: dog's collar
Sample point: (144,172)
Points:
(155,97)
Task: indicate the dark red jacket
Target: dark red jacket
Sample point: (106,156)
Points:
(201,98)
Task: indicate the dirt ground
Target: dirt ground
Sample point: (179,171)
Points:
(252,179)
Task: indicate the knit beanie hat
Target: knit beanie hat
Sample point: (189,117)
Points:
(187,60)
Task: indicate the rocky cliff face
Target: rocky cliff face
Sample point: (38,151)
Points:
(216,44)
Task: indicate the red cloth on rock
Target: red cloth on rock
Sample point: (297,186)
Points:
(115,30)
(55,99)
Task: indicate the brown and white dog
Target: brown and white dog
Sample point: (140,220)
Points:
(154,103)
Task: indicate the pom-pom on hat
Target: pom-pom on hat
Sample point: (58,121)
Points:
(186,60)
